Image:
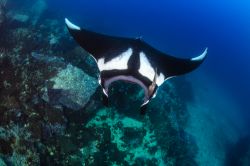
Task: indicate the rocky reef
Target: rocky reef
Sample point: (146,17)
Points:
(51,111)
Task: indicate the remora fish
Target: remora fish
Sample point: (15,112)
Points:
(131,60)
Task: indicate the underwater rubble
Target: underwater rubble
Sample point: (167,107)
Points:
(51,111)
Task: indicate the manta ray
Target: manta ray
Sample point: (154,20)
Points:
(131,59)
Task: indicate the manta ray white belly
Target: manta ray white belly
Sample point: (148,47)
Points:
(148,71)
(120,62)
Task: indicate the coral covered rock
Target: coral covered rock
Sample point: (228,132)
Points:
(72,88)
(2,163)
(20,17)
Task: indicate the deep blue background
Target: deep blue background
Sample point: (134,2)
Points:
(181,28)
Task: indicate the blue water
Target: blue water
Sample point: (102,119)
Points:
(180,28)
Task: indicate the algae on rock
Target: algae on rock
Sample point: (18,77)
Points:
(74,86)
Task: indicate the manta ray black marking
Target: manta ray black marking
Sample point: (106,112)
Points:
(131,60)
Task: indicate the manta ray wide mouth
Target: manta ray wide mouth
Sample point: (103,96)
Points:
(130,79)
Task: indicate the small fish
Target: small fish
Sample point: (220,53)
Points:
(131,60)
